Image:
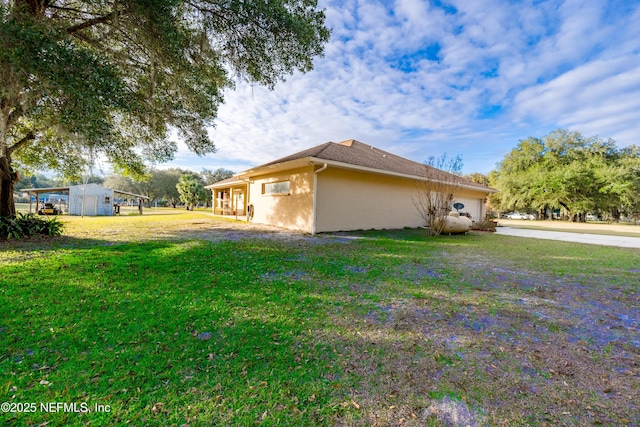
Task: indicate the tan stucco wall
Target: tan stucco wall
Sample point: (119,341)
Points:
(293,211)
(352,200)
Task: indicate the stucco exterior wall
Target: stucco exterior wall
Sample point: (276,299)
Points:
(352,200)
(294,210)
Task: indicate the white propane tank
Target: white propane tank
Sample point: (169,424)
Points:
(454,223)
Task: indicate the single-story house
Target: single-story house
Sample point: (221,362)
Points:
(338,187)
(87,200)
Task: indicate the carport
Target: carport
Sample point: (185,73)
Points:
(88,199)
(38,191)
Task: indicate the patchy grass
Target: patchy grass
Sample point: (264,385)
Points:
(186,320)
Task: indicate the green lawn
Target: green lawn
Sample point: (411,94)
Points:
(161,321)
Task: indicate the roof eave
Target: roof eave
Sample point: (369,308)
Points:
(342,165)
(44,189)
(140,196)
(296,163)
(225,184)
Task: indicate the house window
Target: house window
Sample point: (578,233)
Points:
(276,188)
(107,200)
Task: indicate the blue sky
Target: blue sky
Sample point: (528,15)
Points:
(422,78)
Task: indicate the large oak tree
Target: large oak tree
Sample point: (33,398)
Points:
(115,77)
(566,169)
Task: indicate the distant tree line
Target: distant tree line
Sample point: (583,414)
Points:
(570,172)
(170,187)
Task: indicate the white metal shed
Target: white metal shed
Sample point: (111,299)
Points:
(97,200)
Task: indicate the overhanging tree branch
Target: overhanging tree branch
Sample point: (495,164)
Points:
(119,75)
(91,22)
(27,138)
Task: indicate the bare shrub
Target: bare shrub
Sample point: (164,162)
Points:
(436,190)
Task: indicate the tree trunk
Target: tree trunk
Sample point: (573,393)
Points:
(615,214)
(7,180)
(569,213)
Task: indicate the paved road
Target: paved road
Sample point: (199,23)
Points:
(592,239)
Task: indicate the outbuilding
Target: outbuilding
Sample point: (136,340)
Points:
(86,199)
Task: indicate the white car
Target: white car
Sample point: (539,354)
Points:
(518,215)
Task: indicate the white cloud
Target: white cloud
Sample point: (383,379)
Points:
(540,65)
(591,98)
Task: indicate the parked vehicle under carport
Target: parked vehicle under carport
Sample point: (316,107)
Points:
(49,209)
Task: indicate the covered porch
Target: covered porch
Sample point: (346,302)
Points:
(229,197)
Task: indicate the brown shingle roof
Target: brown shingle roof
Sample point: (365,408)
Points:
(352,152)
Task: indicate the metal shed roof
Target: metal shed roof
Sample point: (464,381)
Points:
(66,189)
